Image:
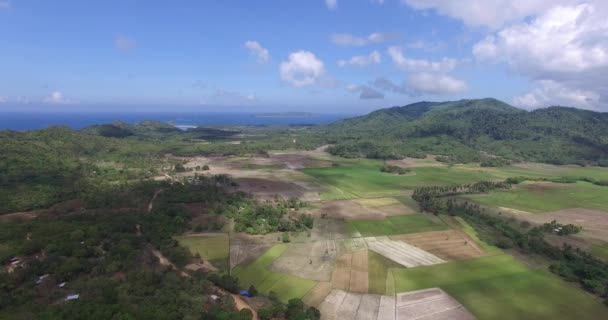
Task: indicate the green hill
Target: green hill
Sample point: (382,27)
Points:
(465,130)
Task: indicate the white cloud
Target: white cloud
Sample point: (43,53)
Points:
(57,97)
(346,39)
(302,69)
(366,92)
(563,50)
(388,85)
(425,76)
(407,64)
(547,93)
(489,13)
(3,99)
(256,49)
(435,83)
(331,4)
(123,43)
(373,58)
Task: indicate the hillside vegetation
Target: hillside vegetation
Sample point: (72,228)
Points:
(471,131)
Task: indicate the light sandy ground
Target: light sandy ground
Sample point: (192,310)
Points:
(430,304)
(446,244)
(594,222)
(309,260)
(242,304)
(427,304)
(357,209)
(401,252)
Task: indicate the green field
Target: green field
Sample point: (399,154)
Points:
(600,250)
(541,170)
(364,179)
(208,247)
(259,275)
(529,197)
(410,223)
(378,267)
(499,287)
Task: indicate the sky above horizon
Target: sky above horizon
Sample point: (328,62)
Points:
(329,56)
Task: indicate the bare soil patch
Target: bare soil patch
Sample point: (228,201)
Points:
(359,278)
(243,253)
(331,229)
(310,260)
(401,252)
(268,189)
(447,244)
(315,296)
(594,222)
(341,275)
(431,303)
(541,187)
(429,161)
(355,210)
(329,307)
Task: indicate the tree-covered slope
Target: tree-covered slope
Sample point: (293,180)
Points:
(464,130)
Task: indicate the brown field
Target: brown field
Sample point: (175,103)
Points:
(329,229)
(329,307)
(431,303)
(594,222)
(429,161)
(341,275)
(357,210)
(315,296)
(268,189)
(309,260)
(359,279)
(447,244)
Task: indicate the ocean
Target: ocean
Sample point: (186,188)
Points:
(22,121)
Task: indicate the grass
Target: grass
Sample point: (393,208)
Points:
(528,197)
(541,170)
(259,275)
(208,247)
(363,178)
(461,224)
(600,251)
(379,267)
(499,287)
(377,202)
(394,225)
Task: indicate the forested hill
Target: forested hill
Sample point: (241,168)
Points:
(468,130)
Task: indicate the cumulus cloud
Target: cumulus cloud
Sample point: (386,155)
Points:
(564,50)
(366,92)
(428,77)
(435,83)
(550,93)
(347,39)
(387,85)
(331,4)
(301,69)
(257,50)
(123,43)
(488,13)
(373,58)
(57,97)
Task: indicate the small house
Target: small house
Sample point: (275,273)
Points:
(72,297)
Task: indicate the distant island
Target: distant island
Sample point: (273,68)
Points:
(284,114)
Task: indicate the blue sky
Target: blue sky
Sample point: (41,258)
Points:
(315,55)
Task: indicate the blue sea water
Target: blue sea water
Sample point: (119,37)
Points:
(30,121)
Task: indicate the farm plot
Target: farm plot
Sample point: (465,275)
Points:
(594,222)
(211,246)
(243,253)
(500,287)
(259,275)
(447,244)
(431,303)
(394,225)
(542,197)
(358,209)
(309,260)
(315,296)
(268,189)
(329,229)
(351,272)
(401,252)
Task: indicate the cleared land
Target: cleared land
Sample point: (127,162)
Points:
(594,222)
(429,304)
(394,225)
(401,252)
(499,287)
(447,244)
(209,246)
(364,179)
(310,260)
(259,275)
(538,197)
(370,209)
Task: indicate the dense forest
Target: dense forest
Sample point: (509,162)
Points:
(469,130)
